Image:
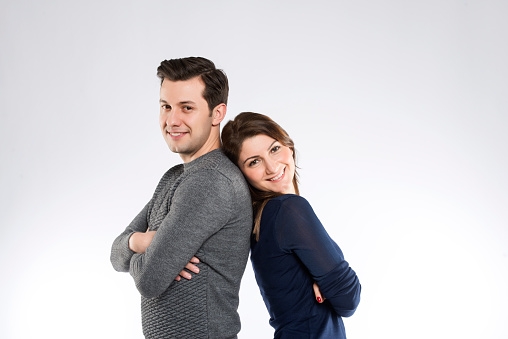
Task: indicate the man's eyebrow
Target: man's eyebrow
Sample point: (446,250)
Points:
(188,102)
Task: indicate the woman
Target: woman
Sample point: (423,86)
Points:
(290,249)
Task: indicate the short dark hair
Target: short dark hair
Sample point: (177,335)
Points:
(247,125)
(215,80)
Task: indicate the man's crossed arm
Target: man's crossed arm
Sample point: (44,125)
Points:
(139,242)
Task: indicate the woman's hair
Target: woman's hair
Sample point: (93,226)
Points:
(247,125)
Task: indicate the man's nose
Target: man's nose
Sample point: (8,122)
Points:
(173,119)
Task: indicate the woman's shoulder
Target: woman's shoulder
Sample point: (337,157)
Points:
(288,198)
(293,220)
(288,203)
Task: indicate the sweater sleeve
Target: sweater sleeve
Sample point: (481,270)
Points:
(121,254)
(301,233)
(200,207)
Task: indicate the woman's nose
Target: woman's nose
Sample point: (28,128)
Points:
(271,166)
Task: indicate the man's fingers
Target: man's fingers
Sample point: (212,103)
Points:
(183,274)
(191,267)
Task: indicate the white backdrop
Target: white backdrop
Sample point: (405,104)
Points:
(399,114)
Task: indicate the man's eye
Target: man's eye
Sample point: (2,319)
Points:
(166,107)
(187,108)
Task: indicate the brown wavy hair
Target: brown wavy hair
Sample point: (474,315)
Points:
(247,125)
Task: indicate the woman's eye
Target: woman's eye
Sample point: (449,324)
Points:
(275,149)
(253,162)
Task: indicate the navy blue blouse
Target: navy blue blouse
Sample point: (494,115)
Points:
(292,253)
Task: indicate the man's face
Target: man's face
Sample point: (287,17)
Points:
(185,119)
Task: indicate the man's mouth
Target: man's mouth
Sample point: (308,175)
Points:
(176,135)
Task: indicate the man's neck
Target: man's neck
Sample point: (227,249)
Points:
(206,148)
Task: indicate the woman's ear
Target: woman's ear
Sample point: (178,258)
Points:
(218,114)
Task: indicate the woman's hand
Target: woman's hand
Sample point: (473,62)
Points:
(317,293)
(191,267)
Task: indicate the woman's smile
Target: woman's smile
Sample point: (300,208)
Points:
(279,177)
(267,164)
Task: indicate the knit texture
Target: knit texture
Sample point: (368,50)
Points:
(203,209)
(168,315)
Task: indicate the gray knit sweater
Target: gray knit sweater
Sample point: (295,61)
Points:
(200,208)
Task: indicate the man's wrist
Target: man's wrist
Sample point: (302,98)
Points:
(133,242)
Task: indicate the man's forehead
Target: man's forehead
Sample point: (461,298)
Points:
(182,91)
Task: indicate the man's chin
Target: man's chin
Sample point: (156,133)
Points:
(178,149)
(173,148)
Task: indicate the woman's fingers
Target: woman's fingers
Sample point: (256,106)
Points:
(317,293)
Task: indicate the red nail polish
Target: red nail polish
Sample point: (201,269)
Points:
(318,299)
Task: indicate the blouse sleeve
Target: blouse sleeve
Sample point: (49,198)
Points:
(300,232)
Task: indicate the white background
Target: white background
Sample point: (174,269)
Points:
(399,114)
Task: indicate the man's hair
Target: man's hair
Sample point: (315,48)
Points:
(215,80)
(247,125)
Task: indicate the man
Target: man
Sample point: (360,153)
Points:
(200,208)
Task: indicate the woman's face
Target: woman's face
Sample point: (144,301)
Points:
(267,164)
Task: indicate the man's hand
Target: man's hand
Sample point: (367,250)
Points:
(139,241)
(317,293)
(191,267)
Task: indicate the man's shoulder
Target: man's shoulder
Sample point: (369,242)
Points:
(176,170)
(217,161)
(233,174)
(169,177)
(228,168)
(216,175)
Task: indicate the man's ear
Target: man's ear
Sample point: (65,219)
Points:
(218,114)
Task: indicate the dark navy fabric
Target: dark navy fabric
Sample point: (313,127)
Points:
(292,253)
